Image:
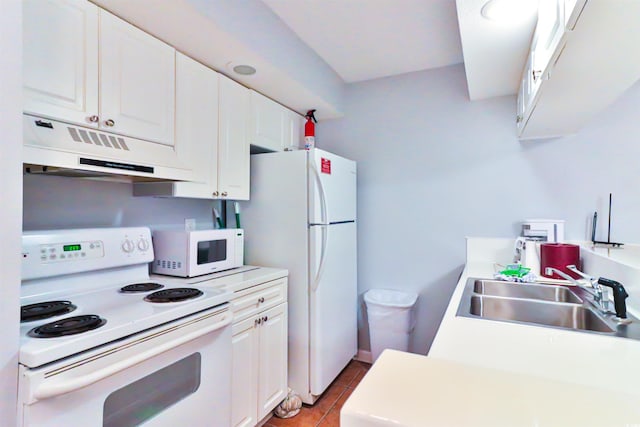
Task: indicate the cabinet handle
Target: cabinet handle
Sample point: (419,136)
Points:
(260,300)
(215,194)
(536,74)
(265,318)
(93,119)
(518,118)
(224,194)
(109,123)
(258,321)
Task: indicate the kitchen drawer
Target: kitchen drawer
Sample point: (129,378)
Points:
(251,301)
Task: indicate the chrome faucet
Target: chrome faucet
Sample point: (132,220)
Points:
(619,292)
(595,290)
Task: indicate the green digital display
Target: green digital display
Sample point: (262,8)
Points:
(69,248)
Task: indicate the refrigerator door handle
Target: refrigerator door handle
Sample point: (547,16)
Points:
(324,216)
(323,256)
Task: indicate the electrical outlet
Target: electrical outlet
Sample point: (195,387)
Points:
(190,224)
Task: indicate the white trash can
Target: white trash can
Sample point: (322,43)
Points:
(391,319)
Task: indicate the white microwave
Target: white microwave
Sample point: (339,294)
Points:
(194,253)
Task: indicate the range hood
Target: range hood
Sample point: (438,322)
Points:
(58,148)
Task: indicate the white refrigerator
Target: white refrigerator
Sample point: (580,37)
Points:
(302,217)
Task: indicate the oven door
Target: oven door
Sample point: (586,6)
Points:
(211,253)
(177,373)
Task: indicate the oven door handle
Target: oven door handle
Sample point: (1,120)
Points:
(57,387)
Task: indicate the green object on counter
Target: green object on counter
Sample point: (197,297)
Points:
(237,209)
(515,270)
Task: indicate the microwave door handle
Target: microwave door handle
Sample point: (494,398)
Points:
(57,387)
(324,216)
(323,257)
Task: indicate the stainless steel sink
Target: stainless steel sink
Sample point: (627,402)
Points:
(571,316)
(544,305)
(527,291)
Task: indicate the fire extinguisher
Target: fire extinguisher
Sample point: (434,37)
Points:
(310,130)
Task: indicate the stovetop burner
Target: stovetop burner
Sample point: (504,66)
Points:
(141,287)
(45,310)
(68,326)
(173,295)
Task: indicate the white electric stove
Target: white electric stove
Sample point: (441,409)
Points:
(103,345)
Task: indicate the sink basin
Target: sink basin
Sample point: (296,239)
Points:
(545,305)
(528,291)
(543,313)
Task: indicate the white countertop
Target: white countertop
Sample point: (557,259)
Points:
(403,389)
(591,359)
(547,358)
(233,280)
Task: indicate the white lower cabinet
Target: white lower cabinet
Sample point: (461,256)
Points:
(259,373)
(244,392)
(272,359)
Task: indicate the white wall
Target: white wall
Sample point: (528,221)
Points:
(434,167)
(10,200)
(61,202)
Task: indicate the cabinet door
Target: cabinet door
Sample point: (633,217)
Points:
(60,61)
(244,374)
(526,94)
(197,126)
(267,121)
(549,31)
(293,131)
(272,371)
(137,82)
(233,148)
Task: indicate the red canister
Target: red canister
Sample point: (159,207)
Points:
(559,255)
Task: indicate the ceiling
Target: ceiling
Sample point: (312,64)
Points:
(368,39)
(306,50)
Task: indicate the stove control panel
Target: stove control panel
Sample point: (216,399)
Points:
(72,251)
(49,253)
(130,245)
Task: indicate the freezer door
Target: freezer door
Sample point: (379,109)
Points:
(332,188)
(333,302)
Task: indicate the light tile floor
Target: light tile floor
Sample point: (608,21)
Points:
(326,411)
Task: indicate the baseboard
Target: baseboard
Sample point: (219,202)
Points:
(363,356)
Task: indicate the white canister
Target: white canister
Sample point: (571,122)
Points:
(528,254)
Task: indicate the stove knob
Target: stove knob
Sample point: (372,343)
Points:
(128,246)
(143,244)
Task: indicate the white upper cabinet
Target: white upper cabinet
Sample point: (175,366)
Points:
(267,121)
(196,133)
(549,31)
(60,68)
(233,150)
(137,81)
(84,66)
(293,137)
(581,60)
(273,127)
(197,126)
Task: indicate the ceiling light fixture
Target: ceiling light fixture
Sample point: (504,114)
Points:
(244,70)
(508,10)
